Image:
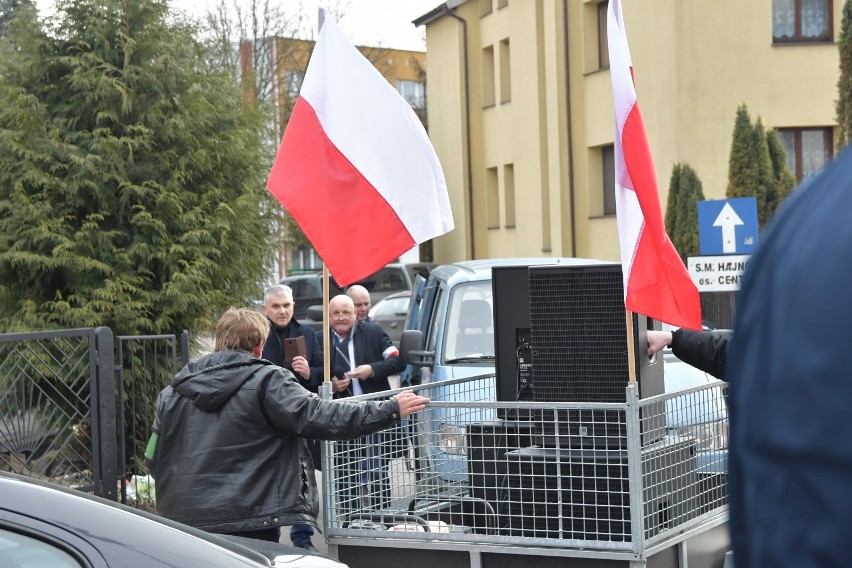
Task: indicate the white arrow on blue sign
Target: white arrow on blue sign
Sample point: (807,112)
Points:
(727,226)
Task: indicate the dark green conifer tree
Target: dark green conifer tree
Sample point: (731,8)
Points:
(131,174)
(781,174)
(685,191)
(749,165)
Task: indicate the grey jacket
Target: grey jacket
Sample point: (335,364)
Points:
(230,453)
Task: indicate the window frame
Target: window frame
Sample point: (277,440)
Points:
(798,157)
(608,205)
(603,46)
(797,37)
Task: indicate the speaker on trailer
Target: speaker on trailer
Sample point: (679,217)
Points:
(487,445)
(578,328)
(585,494)
(512,341)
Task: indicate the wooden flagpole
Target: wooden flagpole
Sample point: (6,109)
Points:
(326,339)
(631,352)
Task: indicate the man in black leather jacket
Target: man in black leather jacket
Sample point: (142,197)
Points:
(229,454)
(704,350)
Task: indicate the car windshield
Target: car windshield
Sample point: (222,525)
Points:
(470,323)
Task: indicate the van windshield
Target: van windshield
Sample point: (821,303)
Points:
(470,323)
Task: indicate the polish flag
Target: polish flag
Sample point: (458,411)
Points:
(355,168)
(656,283)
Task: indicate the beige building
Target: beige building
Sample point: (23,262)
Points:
(520,107)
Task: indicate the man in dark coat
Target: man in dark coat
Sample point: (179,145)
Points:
(704,350)
(228,451)
(278,304)
(362,349)
(368,358)
(790,461)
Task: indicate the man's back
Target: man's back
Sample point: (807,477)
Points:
(791,438)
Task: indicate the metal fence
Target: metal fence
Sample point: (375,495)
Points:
(611,477)
(76,405)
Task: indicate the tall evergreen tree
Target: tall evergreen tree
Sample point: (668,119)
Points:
(844,81)
(131,174)
(685,191)
(783,178)
(749,165)
(766,191)
(6,9)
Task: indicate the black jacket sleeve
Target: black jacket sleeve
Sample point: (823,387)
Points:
(705,350)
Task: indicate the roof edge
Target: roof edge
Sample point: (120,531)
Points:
(437,12)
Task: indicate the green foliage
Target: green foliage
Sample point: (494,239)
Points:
(750,166)
(844,81)
(6,9)
(783,178)
(131,174)
(685,191)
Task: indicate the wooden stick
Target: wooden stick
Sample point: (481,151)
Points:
(326,340)
(631,352)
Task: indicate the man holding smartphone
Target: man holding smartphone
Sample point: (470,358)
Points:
(296,348)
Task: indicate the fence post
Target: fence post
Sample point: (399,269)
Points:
(103,405)
(634,469)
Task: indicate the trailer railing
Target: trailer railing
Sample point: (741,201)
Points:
(617,478)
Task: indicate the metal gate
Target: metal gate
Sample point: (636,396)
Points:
(76,406)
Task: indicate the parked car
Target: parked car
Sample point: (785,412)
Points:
(390,313)
(393,278)
(43,524)
(307,291)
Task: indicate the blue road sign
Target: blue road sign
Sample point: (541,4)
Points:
(727,226)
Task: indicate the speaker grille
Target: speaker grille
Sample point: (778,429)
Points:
(579,334)
(585,495)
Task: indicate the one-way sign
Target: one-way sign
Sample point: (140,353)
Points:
(727,226)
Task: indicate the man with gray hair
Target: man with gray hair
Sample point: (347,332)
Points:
(278,304)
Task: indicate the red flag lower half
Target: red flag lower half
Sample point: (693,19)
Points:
(656,283)
(355,168)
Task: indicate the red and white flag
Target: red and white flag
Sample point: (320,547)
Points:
(355,168)
(656,283)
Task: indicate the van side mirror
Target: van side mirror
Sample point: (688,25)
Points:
(411,349)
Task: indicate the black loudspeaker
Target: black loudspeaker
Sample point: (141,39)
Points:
(512,341)
(578,330)
(585,494)
(487,446)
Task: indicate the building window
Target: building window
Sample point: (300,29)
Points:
(801,20)
(488,76)
(484,7)
(808,149)
(493,201)
(603,45)
(414,93)
(608,177)
(509,194)
(505,73)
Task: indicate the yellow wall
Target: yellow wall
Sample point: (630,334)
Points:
(695,62)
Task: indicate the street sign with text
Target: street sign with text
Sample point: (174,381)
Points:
(717,273)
